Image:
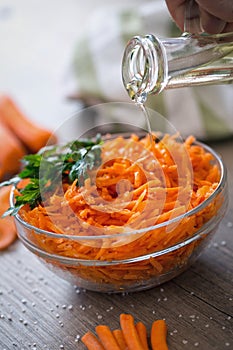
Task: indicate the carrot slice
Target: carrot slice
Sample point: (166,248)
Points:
(118,334)
(7,227)
(158,335)
(141,329)
(91,342)
(130,332)
(106,336)
(31,135)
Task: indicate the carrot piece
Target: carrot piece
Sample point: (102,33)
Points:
(7,227)
(91,342)
(130,332)
(158,335)
(31,135)
(141,329)
(11,151)
(118,334)
(106,336)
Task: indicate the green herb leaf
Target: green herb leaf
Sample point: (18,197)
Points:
(51,166)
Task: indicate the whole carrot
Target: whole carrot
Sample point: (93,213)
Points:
(107,338)
(7,226)
(130,332)
(91,342)
(11,151)
(158,335)
(31,135)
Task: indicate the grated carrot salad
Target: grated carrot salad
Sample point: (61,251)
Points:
(138,185)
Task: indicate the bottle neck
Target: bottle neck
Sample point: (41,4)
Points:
(144,67)
(150,64)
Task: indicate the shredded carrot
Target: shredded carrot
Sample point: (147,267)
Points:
(91,342)
(158,335)
(136,187)
(130,332)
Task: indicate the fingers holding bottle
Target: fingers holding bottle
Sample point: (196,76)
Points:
(208,16)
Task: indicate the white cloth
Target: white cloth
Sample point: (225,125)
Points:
(205,112)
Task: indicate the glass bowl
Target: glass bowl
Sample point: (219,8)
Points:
(138,271)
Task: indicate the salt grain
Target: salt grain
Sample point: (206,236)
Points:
(184,341)
(77,338)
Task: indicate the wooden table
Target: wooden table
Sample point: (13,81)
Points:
(40,311)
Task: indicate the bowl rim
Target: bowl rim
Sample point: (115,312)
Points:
(205,203)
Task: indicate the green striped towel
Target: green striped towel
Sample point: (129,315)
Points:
(205,112)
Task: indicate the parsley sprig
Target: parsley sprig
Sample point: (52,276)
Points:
(46,169)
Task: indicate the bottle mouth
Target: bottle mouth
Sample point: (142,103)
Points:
(144,67)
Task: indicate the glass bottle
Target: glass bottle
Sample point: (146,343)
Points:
(151,65)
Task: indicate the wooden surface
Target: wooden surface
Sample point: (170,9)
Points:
(37,309)
(40,311)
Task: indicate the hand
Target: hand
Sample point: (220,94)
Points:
(214,16)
